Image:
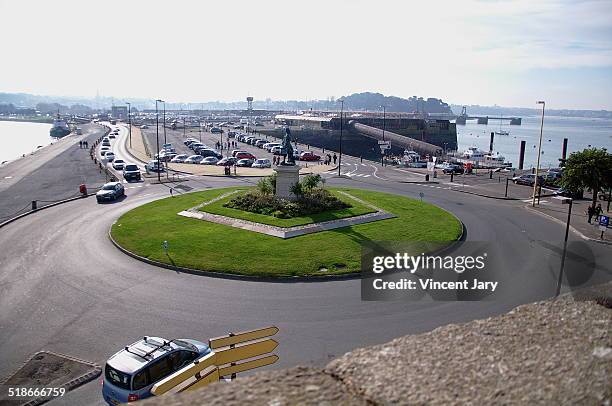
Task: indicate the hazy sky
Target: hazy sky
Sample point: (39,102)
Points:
(505,52)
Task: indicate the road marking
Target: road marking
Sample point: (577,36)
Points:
(364,164)
(366,176)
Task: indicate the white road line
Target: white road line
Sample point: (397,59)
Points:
(366,176)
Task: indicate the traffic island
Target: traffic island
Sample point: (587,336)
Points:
(155,232)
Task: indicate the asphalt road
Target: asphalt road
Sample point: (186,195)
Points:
(52,173)
(64,287)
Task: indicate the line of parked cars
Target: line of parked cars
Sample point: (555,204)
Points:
(275,147)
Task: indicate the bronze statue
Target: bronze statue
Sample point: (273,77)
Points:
(287,149)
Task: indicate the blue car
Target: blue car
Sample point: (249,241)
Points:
(130,374)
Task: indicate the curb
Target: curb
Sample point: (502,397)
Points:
(487,196)
(75,383)
(572,229)
(251,278)
(9,221)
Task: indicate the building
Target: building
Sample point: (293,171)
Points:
(119,112)
(362,131)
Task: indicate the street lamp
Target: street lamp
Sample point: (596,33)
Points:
(382,151)
(129,122)
(164,115)
(535,181)
(157,136)
(341,128)
(564,200)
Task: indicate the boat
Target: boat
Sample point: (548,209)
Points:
(60,128)
(500,131)
(483,158)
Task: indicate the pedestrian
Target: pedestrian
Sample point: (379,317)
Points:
(598,211)
(335,158)
(81,144)
(590,213)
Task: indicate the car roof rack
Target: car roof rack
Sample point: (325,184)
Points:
(163,344)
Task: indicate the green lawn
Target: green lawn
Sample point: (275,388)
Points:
(214,247)
(357,210)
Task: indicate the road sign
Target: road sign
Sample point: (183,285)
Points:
(245,366)
(384,142)
(226,350)
(604,221)
(245,351)
(237,338)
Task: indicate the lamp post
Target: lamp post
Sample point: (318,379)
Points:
(382,151)
(536,179)
(341,128)
(129,122)
(164,115)
(567,225)
(157,137)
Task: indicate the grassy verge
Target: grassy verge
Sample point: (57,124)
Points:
(218,248)
(357,209)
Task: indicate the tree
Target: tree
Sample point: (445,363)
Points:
(588,169)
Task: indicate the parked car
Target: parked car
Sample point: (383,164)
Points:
(231,134)
(245,162)
(189,141)
(245,155)
(216,130)
(130,373)
(210,160)
(110,191)
(235,151)
(118,164)
(194,159)
(262,163)
(195,145)
(168,145)
(179,159)
(131,172)
(528,180)
(106,143)
(277,150)
(112,136)
(206,152)
(568,193)
(453,169)
(104,150)
(271,145)
(227,161)
(155,166)
(109,156)
(261,143)
(309,156)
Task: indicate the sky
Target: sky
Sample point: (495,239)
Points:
(504,52)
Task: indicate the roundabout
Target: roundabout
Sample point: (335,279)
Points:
(64,286)
(156,232)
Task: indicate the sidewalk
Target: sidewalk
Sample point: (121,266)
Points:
(579,220)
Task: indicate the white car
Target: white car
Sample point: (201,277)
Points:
(109,156)
(118,164)
(179,159)
(210,160)
(276,150)
(194,159)
(270,145)
(262,163)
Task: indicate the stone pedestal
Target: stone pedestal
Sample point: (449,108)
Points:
(286,177)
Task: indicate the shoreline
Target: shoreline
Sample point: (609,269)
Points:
(45,120)
(50,141)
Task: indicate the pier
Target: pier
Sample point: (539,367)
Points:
(464,117)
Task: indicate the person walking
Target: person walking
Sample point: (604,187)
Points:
(590,213)
(598,211)
(81,144)
(335,158)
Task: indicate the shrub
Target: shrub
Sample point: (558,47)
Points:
(316,200)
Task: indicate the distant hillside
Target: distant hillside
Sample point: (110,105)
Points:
(373,102)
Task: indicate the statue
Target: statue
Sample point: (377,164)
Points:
(287,149)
